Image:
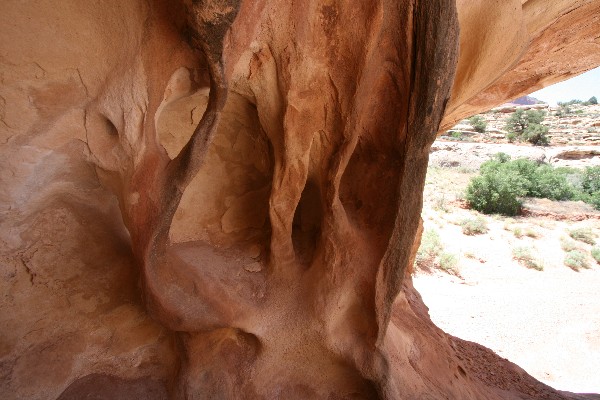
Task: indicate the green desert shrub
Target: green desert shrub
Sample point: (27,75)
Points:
(524,167)
(532,233)
(524,257)
(569,103)
(576,260)
(591,101)
(502,182)
(587,184)
(474,226)
(568,245)
(596,253)
(497,188)
(536,134)
(456,134)
(585,235)
(521,119)
(563,111)
(517,231)
(496,193)
(431,247)
(526,126)
(593,199)
(478,123)
(431,255)
(548,183)
(590,180)
(448,262)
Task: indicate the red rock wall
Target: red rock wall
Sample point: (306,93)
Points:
(220,200)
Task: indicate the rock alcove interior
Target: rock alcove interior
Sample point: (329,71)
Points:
(220,198)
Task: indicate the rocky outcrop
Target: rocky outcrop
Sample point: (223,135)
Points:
(573,125)
(576,154)
(526,101)
(220,198)
(472,155)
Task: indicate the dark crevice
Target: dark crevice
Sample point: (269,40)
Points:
(110,128)
(306,227)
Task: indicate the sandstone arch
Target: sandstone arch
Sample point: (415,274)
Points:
(220,198)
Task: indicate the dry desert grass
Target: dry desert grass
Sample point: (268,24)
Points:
(509,287)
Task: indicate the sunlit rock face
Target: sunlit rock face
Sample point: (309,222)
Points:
(221,198)
(512,48)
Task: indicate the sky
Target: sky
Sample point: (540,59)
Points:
(582,87)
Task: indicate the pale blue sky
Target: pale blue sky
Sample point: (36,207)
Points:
(582,87)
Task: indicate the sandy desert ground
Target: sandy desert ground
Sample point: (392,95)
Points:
(548,322)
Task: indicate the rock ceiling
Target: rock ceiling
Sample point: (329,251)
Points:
(221,198)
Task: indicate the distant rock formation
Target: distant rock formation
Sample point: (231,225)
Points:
(472,155)
(221,198)
(526,101)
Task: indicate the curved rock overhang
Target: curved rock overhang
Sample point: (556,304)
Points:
(221,198)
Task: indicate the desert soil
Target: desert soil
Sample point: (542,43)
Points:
(547,322)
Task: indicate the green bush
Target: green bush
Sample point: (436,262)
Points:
(585,235)
(496,193)
(596,253)
(589,186)
(524,257)
(590,180)
(502,182)
(501,157)
(594,200)
(474,226)
(536,135)
(478,123)
(456,134)
(524,167)
(576,260)
(548,183)
(526,126)
(498,188)
(591,101)
(520,120)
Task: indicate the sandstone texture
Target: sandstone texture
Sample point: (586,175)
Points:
(221,198)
